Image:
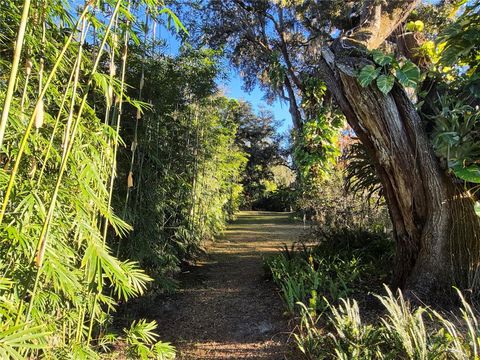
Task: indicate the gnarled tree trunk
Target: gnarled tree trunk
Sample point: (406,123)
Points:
(436,229)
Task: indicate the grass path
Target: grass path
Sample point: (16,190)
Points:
(226,309)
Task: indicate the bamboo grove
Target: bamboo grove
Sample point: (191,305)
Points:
(114,158)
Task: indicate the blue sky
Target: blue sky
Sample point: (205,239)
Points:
(233,88)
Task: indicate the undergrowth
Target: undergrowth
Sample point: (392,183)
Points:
(345,262)
(403,332)
(324,286)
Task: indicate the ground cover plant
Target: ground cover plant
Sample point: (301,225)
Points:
(330,290)
(402,332)
(337,268)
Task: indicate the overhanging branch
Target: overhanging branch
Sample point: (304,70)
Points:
(379,21)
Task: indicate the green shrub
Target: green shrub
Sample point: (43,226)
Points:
(341,262)
(349,337)
(374,248)
(299,271)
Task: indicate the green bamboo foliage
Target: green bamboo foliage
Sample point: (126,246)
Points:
(62,111)
(98,123)
(179,171)
(14,69)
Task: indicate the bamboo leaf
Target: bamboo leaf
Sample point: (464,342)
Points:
(21,337)
(176,21)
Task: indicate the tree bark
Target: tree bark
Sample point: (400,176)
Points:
(436,230)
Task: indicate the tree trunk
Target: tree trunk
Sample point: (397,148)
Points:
(436,230)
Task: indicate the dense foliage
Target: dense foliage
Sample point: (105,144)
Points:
(258,139)
(334,269)
(329,61)
(63,96)
(181,162)
(117,161)
(324,288)
(110,152)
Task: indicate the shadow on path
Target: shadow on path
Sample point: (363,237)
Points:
(226,309)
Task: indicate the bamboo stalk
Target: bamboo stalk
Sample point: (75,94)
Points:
(195,170)
(13,73)
(26,135)
(112,73)
(74,91)
(28,71)
(118,116)
(138,117)
(123,73)
(54,131)
(92,318)
(117,131)
(42,241)
(81,318)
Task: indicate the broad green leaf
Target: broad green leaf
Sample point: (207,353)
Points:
(408,75)
(470,173)
(385,83)
(477,208)
(368,74)
(381,58)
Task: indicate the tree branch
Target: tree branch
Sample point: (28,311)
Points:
(293,109)
(380,20)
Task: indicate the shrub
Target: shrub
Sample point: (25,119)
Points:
(373,248)
(336,267)
(300,272)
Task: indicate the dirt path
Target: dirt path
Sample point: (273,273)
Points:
(226,308)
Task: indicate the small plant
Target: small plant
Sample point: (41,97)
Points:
(142,342)
(308,337)
(386,69)
(404,329)
(351,339)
